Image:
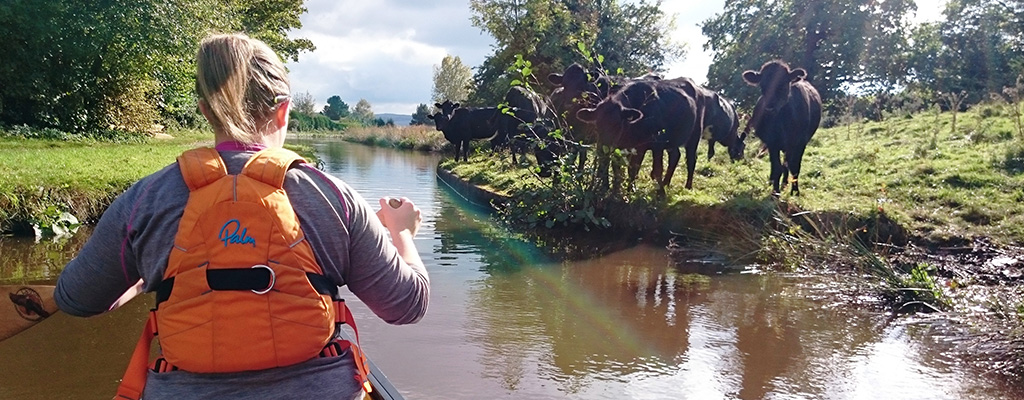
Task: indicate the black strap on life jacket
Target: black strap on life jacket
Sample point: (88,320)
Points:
(245,279)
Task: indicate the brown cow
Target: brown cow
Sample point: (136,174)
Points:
(646,115)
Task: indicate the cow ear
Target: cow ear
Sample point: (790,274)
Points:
(797,74)
(456,105)
(586,115)
(555,78)
(431,116)
(631,115)
(752,77)
(438,105)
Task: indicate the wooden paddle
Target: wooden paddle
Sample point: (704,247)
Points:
(23,306)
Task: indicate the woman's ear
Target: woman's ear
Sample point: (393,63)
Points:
(281,113)
(205,110)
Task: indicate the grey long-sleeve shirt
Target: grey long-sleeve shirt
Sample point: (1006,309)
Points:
(134,237)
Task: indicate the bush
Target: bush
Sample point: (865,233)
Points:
(300,122)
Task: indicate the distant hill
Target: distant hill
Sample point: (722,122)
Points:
(400,119)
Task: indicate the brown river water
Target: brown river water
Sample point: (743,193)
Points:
(507,322)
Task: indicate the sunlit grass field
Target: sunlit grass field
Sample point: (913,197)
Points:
(936,181)
(43,176)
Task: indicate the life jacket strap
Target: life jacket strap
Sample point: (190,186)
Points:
(255,279)
(134,380)
(343,315)
(162,365)
(201,167)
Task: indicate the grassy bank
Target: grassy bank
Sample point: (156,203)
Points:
(416,137)
(40,178)
(942,185)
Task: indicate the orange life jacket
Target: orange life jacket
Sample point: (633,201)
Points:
(242,290)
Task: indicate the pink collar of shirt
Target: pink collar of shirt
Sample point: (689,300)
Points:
(239,146)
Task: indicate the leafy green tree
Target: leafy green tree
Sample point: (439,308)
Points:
(335,108)
(420,116)
(118,64)
(363,112)
(977,49)
(840,43)
(304,103)
(451,80)
(270,21)
(633,37)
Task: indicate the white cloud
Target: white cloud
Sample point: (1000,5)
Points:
(384,51)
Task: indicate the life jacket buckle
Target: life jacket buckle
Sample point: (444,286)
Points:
(273,278)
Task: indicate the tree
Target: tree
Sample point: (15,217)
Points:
(420,116)
(270,21)
(92,66)
(304,103)
(363,112)
(840,43)
(451,80)
(632,37)
(981,49)
(335,108)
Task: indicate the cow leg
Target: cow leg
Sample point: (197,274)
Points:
(673,163)
(691,161)
(657,164)
(603,161)
(635,160)
(785,172)
(776,171)
(581,157)
(711,149)
(794,159)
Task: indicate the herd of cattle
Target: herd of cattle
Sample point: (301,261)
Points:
(643,114)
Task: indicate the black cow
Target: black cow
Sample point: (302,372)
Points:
(523,107)
(462,125)
(721,124)
(785,118)
(446,107)
(647,115)
(545,148)
(578,88)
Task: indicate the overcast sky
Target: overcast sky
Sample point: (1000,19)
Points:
(384,51)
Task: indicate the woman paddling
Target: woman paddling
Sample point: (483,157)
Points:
(245,246)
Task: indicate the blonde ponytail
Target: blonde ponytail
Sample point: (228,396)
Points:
(242,81)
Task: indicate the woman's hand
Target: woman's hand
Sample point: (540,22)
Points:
(399,215)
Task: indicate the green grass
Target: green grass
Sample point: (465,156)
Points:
(417,137)
(82,175)
(939,184)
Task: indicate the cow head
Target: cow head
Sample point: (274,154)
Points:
(737,148)
(574,76)
(440,119)
(611,118)
(774,79)
(575,86)
(447,107)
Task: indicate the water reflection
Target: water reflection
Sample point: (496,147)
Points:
(506,321)
(24,260)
